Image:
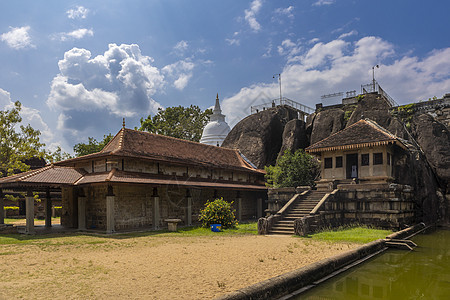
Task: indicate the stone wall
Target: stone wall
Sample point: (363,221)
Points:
(389,206)
(278,197)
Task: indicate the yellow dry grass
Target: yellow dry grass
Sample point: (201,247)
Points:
(150,266)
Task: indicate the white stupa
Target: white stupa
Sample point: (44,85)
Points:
(217,129)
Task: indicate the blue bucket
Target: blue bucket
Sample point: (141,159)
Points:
(216,227)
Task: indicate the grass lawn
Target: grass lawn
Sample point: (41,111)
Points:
(357,234)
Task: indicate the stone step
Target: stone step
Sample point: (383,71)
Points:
(282,232)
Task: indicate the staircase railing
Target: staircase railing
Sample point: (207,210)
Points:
(266,224)
(303,226)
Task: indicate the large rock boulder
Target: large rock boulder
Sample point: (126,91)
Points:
(326,123)
(259,136)
(434,139)
(294,136)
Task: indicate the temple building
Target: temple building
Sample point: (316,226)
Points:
(217,129)
(141,180)
(363,151)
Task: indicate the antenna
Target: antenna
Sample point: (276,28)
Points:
(279,79)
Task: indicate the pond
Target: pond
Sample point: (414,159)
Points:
(396,274)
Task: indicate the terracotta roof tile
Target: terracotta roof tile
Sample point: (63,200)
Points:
(363,133)
(49,174)
(139,144)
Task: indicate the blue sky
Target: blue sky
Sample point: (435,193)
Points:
(79,67)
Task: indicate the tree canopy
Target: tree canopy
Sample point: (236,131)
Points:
(92,146)
(292,170)
(181,122)
(18,142)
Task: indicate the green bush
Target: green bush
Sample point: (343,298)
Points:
(11,208)
(218,211)
(292,170)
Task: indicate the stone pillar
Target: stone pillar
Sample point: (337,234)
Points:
(82,212)
(155,213)
(29,203)
(188,208)
(2,210)
(239,206)
(110,222)
(259,212)
(48,210)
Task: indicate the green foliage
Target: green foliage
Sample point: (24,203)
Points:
(180,122)
(92,146)
(57,155)
(360,97)
(17,142)
(218,211)
(292,170)
(11,197)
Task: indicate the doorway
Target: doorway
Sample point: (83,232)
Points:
(352,166)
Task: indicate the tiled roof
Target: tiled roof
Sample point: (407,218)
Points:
(49,175)
(55,175)
(116,176)
(139,144)
(364,133)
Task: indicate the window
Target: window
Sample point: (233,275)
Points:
(389,159)
(378,158)
(338,161)
(365,159)
(328,163)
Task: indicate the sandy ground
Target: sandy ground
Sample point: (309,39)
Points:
(150,267)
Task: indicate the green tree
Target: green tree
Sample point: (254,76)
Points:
(92,146)
(181,122)
(17,142)
(57,155)
(292,170)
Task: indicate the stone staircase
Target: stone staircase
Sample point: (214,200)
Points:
(300,208)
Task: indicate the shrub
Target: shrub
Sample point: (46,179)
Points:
(292,170)
(218,211)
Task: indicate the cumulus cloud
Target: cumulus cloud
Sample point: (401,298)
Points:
(250,15)
(343,66)
(118,83)
(79,12)
(75,35)
(180,72)
(323,2)
(289,48)
(17,38)
(29,116)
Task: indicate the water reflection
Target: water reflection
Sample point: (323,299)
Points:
(397,274)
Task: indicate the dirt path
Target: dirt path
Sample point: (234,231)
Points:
(150,267)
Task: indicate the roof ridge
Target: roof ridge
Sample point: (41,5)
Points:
(40,170)
(380,128)
(331,135)
(179,139)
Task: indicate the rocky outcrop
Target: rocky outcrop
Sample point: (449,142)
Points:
(326,123)
(434,139)
(259,136)
(294,136)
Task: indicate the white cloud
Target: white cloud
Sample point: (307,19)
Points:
(231,42)
(181,47)
(250,15)
(342,66)
(285,12)
(17,38)
(181,72)
(29,116)
(118,83)
(75,35)
(289,48)
(344,35)
(79,12)
(323,2)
